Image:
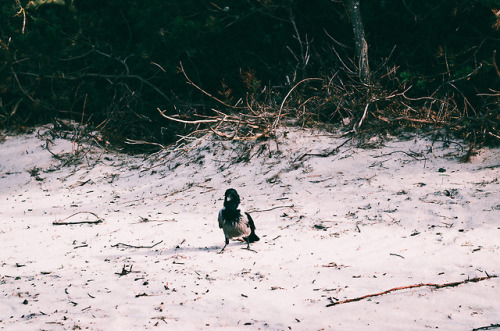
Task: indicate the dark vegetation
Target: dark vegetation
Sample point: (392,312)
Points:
(240,68)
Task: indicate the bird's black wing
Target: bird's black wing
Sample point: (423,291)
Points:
(250,222)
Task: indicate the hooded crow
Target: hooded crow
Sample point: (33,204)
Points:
(234,222)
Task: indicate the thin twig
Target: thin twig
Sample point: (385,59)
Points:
(393,254)
(489,327)
(416,120)
(61,222)
(364,115)
(21,87)
(413,155)
(147,220)
(188,122)
(202,90)
(105,76)
(437,286)
(275,124)
(494,62)
(80,222)
(273,208)
(327,154)
(132,246)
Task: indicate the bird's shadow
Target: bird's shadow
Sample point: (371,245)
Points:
(175,249)
(190,249)
(208,249)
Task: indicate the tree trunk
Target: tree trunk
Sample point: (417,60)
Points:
(353,6)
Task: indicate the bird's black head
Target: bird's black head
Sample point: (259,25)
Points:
(231,199)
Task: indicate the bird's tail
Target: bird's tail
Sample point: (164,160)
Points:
(253,237)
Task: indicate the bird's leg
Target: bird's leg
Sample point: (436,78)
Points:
(248,245)
(222,250)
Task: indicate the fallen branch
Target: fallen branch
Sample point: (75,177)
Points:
(393,254)
(437,286)
(223,119)
(61,222)
(489,327)
(273,208)
(326,154)
(490,167)
(79,222)
(132,246)
(235,137)
(147,220)
(409,119)
(162,113)
(411,154)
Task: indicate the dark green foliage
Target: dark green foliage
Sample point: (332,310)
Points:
(113,63)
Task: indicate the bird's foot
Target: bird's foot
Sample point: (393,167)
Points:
(249,249)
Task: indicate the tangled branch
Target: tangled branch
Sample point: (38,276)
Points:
(202,90)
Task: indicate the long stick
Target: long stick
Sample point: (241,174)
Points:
(132,246)
(215,120)
(61,222)
(273,208)
(473,280)
(332,152)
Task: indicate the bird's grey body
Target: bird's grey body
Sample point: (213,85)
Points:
(234,221)
(239,228)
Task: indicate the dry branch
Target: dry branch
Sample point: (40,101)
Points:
(411,154)
(147,220)
(364,116)
(188,122)
(416,120)
(202,90)
(276,121)
(489,327)
(436,286)
(494,62)
(273,208)
(132,246)
(238,126)
(326,154)
(250,122)
(61,222)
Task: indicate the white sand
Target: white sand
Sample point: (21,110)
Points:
(358,222)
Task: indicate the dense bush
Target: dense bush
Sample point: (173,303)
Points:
(112,64)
